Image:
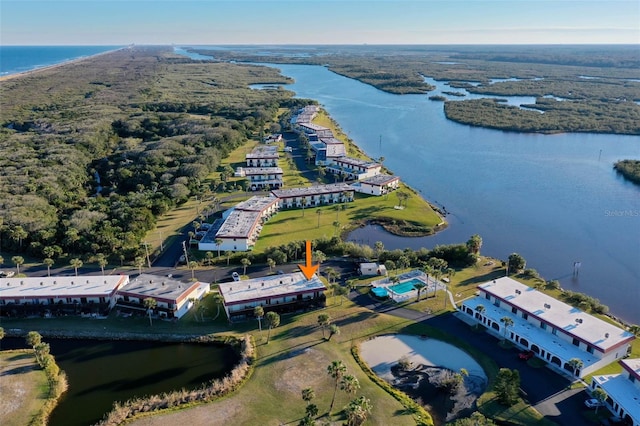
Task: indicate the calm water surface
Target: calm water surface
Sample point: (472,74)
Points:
(555,199)
(101,372)
(16,59)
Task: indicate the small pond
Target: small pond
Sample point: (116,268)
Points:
(101,372)
(433,364)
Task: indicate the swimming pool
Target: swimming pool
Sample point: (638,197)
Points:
(406,286)
(380,292)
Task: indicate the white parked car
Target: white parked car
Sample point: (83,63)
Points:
(6,274)
(593,403)
(235,276)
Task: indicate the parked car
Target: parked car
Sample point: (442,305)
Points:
(6,274)
(280,272)
(235,276)
(525,356)
(593,403)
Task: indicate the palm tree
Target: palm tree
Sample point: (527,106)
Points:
(102,261)
(258,312)
(427,270)
(508,322)
(336,370)
(271,263)
(1,260)
(308,394)
(600,395)
(209,257)
(33,339)
(218,242)
(331,274)
(357,411)
(378,247)
(349,384)
(18,260)
(419,287)
(319,257)
(336,225)
(18,234)
(193,265)
(139,262)
(323,321)
(333,330)
(1,334)
(474,244)
(150,304)
(49,262)
(575,364)
(479,311)
(273,320)
(76,263)
(245,262)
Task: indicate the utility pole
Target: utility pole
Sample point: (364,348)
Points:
(146,249)
(184,248)
(161,242)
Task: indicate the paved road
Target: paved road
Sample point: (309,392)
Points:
(546,390)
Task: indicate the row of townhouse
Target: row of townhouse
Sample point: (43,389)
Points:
(279,293)
(240,226)
(261,178)
(263,156)
(316,195)
(553,330)
(353,168)
(96,295)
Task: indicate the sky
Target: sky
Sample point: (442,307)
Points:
(190,22)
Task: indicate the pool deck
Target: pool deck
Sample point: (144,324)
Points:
(406,277)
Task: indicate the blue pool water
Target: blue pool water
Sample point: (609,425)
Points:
(380,292)
(402,287)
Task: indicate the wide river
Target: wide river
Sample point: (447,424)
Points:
(554,199)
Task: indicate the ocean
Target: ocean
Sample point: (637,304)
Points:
(17,59)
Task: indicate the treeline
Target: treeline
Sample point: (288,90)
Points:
(90,174)
(458,255)
(630,169)
(559,116)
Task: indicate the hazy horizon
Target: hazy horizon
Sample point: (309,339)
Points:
(318,22)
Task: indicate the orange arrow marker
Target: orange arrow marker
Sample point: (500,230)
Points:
(308,269)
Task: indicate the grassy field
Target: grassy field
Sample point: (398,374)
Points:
(23,387)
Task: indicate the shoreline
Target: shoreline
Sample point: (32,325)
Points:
(38,69)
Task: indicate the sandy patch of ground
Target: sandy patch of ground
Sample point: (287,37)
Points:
(382,353)
(20,388)
(300,371)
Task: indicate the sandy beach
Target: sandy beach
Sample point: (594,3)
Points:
(382,353)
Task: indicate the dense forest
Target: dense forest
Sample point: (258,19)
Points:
(92,152)
(579,88)
(630,169)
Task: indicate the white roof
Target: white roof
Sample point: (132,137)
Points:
(256,203)
(632,365)
(558,314)
(331,188)
(622,391)
(55,287)
(239,224)
(271,286)
(158,287)
(379,180)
